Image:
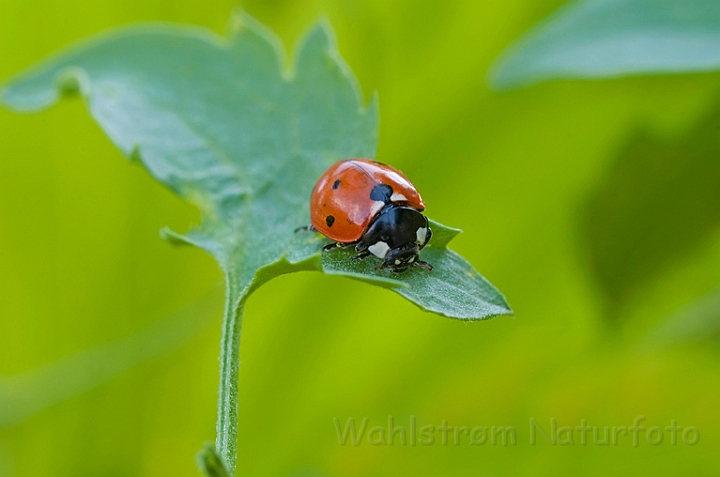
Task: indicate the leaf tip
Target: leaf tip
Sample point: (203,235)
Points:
(40,89)
(4,95)
(242,23)
(320,44)
(503,76)
(17,97)
(325,29)
(373,104)
(442,234)
(174,238)
(321,37)
(241,20)
(135,156)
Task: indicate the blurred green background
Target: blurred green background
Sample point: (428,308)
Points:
(593,206)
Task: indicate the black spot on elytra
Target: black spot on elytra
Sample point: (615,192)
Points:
(329,220)
(336,184)
(381,192)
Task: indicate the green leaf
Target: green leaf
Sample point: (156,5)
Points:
(613,38)
(225,126)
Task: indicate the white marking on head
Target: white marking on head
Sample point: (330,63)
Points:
(376,207)
(398,197)
(421,235)
(397,262)
(412,259)
(379,249)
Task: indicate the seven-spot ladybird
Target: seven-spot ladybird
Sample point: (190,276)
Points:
(374,207)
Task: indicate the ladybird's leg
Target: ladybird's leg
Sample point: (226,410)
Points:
(401,258)
(422,264)
(361,255)
(308,228)
(389,260)
(333,245)
(361,246)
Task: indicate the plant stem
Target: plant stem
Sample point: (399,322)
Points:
(226,439)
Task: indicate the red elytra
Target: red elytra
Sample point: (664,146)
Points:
(340,205)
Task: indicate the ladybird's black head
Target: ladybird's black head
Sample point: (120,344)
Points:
(396,235)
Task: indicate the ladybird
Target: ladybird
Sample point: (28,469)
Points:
(373,207)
